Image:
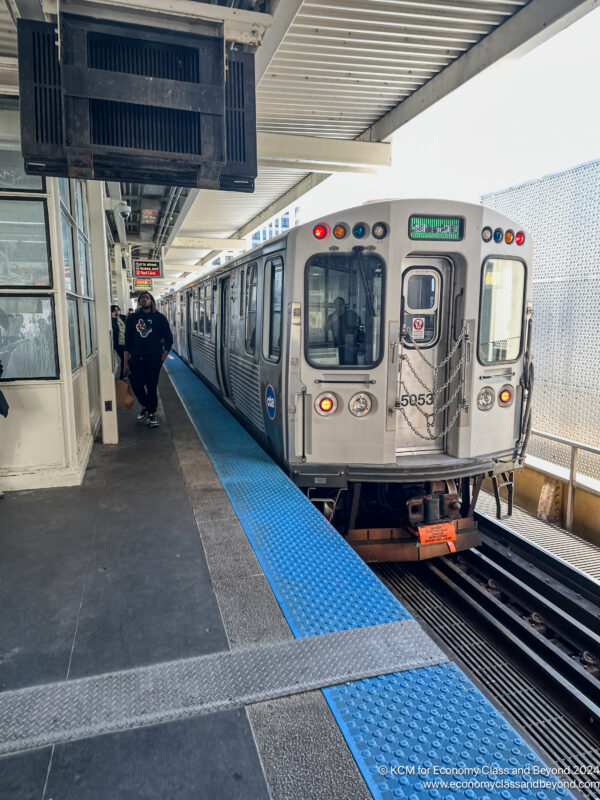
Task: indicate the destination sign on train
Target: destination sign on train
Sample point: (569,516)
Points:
(440,228)
(147,268)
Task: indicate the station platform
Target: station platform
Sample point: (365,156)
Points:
(186,624)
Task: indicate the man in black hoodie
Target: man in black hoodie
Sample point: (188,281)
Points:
(148,340)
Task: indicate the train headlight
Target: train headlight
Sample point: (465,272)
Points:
(326,404)
(506,396)
(485,398)
(486,234)
(360,404)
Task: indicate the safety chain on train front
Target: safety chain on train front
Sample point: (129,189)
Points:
(430,418)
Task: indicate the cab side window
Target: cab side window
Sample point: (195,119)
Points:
(501,310)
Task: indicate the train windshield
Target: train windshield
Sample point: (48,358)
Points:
(501,318)
(344,298)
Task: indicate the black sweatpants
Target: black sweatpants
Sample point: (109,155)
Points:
(144,379)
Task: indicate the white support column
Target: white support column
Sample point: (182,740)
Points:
(100,270)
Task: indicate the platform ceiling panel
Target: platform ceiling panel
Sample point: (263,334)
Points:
(345,63)
(8,34)
(222,213)
(340,67)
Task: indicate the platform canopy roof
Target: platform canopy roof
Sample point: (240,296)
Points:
(327,70)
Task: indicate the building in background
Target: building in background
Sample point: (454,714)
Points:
(561,212)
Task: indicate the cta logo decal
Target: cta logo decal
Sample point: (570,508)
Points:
(270,401)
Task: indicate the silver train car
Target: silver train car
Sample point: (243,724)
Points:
(381,355)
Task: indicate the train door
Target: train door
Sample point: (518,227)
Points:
(225,334)
(423,373)
(271,370)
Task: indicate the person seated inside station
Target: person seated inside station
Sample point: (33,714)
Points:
(344,325)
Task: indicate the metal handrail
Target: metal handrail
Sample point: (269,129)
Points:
(575,448)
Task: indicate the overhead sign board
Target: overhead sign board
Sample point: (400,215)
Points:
(147,268)
(142,285)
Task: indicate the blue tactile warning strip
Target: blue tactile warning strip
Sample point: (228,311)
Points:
(424,733)
(319,582)
(429,733)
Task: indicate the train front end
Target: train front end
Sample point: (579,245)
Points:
(409,370)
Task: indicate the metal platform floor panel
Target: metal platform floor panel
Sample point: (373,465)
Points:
(576,551)
(403,729)
(112,575)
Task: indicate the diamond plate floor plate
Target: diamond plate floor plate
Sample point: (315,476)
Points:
(417,719)
(60,712)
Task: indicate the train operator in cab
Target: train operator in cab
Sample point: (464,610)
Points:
(148,340)
(345,329)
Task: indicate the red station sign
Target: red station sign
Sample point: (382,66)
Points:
(145,268)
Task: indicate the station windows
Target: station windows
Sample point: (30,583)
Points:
(27,337)
(74,342)
(76,265)
(501,312)
(251,300)
(273,306)
(344,298)
(27,312)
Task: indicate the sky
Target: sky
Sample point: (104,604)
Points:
(519,120)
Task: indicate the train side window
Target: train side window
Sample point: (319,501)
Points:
(273,299)
(201,309)
(251,298)
(421,292)
(501,310)
(242,294)
(209,309)
(195,309)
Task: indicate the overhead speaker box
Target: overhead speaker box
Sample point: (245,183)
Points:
(136,104)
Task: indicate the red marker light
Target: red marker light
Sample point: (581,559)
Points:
(519,237)
(326,404)
(505,396)
(321,231)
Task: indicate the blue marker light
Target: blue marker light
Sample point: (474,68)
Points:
(360,230)
(498,235)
